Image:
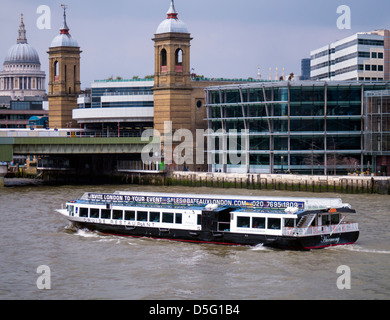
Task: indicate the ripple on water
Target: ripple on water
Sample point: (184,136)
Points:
(89,265)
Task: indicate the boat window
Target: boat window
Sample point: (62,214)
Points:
(70,210)
(325,220)
(289,222)
(179,218)
(130,215)
(274,223)
(243,222)
(199,220)
(94,213)
(154,216)
(142,216)
(335,218)
(258,223)
(167,217)
(117,214)
(84,212)
(105,214)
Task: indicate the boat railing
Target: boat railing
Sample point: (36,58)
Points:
(318,230)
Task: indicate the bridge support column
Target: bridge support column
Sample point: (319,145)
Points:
(3,172)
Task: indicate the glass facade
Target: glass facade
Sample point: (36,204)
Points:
(301,127)
(377,129)
(98,93)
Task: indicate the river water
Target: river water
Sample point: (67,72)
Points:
(87,265)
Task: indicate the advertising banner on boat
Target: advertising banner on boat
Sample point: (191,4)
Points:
(196,201)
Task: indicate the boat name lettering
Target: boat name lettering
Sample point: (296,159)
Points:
(196,201)
(328,240)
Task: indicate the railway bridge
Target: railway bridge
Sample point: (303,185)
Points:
(75,152)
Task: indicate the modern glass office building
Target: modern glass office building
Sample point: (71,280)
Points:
(377,129)
(310,127)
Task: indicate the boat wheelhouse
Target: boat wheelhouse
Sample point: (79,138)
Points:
(280,222)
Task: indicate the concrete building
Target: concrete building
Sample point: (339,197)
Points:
(116,107)
(17,115)
(64,78)
(364,56)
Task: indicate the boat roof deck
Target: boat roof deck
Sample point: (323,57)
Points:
(210,202)
(149,205)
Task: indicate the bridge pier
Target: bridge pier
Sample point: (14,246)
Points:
(3,172)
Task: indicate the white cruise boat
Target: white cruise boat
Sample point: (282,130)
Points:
(279,222)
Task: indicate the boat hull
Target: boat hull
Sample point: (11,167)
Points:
(225,238)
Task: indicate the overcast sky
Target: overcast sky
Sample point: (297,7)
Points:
(231,38)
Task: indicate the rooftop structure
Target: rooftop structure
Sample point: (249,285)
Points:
(64,79)
(172,22)
(64,39)
(22,75)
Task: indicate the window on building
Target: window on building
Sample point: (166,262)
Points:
(374,55)
(380,55)
(56,71)
(163,57)
(373,67)
(179,60)
(179,57)
(367,67)
(380,68)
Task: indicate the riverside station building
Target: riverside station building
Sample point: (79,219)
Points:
(174,95)
(313,127)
